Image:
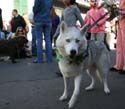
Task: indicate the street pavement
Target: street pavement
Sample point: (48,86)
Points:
(26,85)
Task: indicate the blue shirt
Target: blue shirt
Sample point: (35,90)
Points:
(41,10)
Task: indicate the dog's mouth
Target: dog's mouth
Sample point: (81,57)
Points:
(73,54)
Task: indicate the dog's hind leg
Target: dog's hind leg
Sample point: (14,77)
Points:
(103,70)
(77,82)
(65,93)
(91,73)
(103,67)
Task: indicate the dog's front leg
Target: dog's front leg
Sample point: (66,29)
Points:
(77,81)
(65,93)
(12,56)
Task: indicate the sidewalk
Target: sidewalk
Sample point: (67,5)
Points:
(35,86)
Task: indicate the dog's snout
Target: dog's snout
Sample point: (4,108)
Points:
(73,52)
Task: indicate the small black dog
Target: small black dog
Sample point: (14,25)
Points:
(12,47)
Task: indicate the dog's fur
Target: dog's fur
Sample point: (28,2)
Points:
(72,44)
(12,47)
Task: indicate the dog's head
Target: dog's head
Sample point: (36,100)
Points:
(20,41)
(20,31)
(71,40)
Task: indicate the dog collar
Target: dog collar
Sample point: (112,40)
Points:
(58,55)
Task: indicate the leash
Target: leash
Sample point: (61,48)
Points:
(86,53)
(113,11)
(96,22)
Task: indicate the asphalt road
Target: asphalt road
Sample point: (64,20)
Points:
(36,86)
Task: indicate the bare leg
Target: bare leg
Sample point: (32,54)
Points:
(77,81)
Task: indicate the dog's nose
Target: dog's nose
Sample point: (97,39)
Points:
(73,52)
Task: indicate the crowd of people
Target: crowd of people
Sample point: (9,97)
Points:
(45,25)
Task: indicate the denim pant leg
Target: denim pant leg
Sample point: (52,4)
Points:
(47,32)
(2,35)
(34,49)
(39,38)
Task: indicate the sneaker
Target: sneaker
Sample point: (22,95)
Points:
(35,61)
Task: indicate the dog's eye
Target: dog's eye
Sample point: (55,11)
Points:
(77,40)
(67,40)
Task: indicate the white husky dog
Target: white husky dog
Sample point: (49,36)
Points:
(78,56)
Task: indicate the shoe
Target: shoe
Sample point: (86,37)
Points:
(122,72)
(35,61)
(113,69)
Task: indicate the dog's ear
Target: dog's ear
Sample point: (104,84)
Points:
(63,27)
(84,29)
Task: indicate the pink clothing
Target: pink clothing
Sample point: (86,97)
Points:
(120,46)
(93,15)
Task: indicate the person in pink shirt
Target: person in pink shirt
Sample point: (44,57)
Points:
(120,45)
(98,31)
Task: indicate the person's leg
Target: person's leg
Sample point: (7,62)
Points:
(100,37)
(39,38)
(93,36)
(34,50)
(122,71)
(88,37)
(47,31)
(2,35)
(119,52)
(123,47)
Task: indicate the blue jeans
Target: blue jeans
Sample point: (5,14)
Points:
(43,29)
(2,35)
(34,49)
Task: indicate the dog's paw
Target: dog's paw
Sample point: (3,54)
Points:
(72,101)
(71,104)
(63,98)
(106,90)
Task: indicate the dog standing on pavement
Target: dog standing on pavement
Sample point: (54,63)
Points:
(79,56)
